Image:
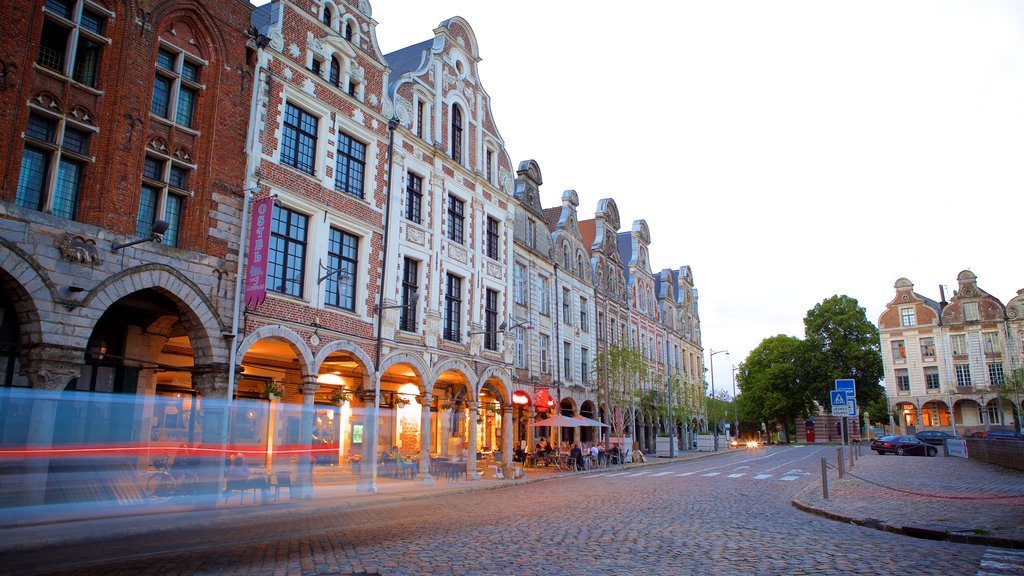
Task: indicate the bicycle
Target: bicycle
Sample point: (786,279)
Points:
(167,482)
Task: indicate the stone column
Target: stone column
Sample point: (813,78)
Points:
(367,482)
(919,418)
(506,439)
(49,369)
(471,449)
(425,477)
(214,438)
(304,468)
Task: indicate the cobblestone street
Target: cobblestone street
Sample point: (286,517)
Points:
(728,514)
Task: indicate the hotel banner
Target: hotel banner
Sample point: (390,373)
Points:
(259,246)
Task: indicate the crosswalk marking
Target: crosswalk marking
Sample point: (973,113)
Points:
(618,474)
(1001,562)
(737,475)
(788,478)
(711,474)
(637,474)
(762,476)
(663,473)
(686,474)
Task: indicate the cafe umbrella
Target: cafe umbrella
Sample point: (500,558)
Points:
(558,421)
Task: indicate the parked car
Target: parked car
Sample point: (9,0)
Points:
(934,437)
(902,446)
(1003,435)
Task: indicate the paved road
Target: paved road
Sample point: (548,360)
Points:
(728,514)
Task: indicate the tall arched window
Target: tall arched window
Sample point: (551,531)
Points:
(335,74)
(348,31)
(566,263)
(326,16)
(456,133)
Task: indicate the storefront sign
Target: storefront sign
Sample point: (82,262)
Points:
(259,246)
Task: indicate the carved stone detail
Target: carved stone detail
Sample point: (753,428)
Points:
(79,249)
(458,254)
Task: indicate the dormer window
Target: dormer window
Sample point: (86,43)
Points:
(456,134)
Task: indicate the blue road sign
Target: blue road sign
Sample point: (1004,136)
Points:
(839,398)
(853,407)
(848,385)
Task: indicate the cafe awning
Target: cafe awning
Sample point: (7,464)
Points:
(558,420)
(584,421)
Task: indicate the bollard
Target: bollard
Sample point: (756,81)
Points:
(851,458)
(839,461)
(824,479)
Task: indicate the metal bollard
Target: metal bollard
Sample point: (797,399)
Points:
(851,458)
(824,479)
(839,461)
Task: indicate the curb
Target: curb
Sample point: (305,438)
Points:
(912,531)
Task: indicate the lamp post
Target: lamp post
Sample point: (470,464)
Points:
(735,418)
(712,361)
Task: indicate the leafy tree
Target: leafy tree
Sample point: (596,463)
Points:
(774,382)
(623,368)
(842,343)
(1013,391)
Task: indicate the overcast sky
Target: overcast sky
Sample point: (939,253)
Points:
(786,151)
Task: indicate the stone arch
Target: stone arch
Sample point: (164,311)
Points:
(502,391)
(280,333)
(421,369)
(202,322)
(344,346)
(19,277)
(457,365)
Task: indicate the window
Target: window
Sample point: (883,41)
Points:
(355,89)
(584,325)
(334,74)
(287,252)
(902,380)
(567,360)
(350,165)
(492,238)
(327,20)
(531,233)
(491,320)
(931,377)
(899,351)
(963,375)
(520,348)
(600,325)
(995,415)
(544,303)
(453,309)
(298,139)
(162,198)
(52,163)
(316,66)
(565,258)
(410,282)
(456,133)
(544,345)
(519,283)
(958,343)
(342,255)
(420,116)
(413,197)
(566,307)
(456,219)
(489,165)
(175,87)
(72,40)
(349,32)
(584,365)
(991,342)
(928,347)
(995,374)
(971,312)
(908,317)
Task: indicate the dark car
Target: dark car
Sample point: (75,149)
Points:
(1003,435)
(934,437)
(902,446)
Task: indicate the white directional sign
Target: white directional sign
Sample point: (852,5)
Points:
(844,410)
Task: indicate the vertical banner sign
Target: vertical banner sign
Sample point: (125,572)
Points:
(259,246)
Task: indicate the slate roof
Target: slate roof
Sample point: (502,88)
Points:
(405,60)
(261,17)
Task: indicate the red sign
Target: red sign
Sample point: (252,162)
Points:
(259,246)
(544,401)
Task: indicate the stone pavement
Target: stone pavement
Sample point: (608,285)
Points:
(61,525)
(940,498)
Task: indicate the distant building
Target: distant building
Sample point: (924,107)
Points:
(945,363)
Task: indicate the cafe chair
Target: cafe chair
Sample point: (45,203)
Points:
(283,480)
(240,485)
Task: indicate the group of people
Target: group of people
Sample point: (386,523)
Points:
(584,455)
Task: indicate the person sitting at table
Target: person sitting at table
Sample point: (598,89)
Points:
(519,455)
(613,455)
(576,455)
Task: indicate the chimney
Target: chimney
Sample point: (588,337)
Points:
(942,296)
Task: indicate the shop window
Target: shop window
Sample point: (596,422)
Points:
(286,268)
(343,256)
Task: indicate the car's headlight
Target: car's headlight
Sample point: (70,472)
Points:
(752,444)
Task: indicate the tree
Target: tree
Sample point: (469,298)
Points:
(774,382)
(842,343)
(1013,391)
(623,368)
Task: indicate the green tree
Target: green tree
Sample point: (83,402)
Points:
(623,368)
(842,343)
(774,382)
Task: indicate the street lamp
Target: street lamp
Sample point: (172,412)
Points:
(712,360)
(735,419)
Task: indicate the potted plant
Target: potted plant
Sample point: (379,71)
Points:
(338,396)
(401,401)
(273,390)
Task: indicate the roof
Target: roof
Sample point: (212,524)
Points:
(261,17)
(552,216)
(625,243)
(406,60)
(588,230)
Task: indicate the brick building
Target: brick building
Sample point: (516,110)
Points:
(124,122)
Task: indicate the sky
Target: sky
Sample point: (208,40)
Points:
(787,151)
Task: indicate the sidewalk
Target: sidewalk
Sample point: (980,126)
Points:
(941,498)
(63,525)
